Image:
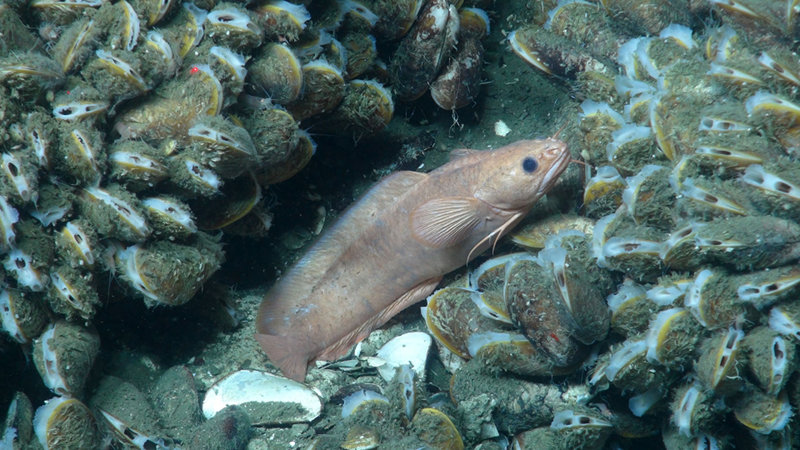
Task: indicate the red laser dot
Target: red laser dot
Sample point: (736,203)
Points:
(194,70)
(553,335)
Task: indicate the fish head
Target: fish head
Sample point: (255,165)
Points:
(514,177)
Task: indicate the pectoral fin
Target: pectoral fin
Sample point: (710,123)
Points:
(444,222)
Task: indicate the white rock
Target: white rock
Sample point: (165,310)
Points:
(501,129)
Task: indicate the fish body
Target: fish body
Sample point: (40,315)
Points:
(392,247)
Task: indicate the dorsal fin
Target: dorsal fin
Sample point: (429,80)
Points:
(461,153)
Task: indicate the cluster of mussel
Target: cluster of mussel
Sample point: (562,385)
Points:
(682,304)
(392,408)
(163,414)
(133,131)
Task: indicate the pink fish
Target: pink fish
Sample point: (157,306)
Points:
(391,248)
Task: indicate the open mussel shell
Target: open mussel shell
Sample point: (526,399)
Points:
(631,308)
(180,103)
(766,287)
(581,426)
(323,89)
(117,74)
(694,409)
(165,272)
(424,50)
(22,315)
(713,301)
(557,55)
(64,354)
(72,293)
(18,427)
(458,84)
(9,216)
(529,295)
(277,71)
(627,367)
(55,204)
(77,42)
(672,337)
(233,26)
(752,242)
(534,235)
(28,262)
(239,197)
(649,198)
(170,217)
(436,429)
(770,357)
(115,213)
(774,187)
(763,413)
(619,244)
(136,165)
(193,179)
(64,422)
(365,397)
(582,284)
(221,145)
(257,392)
(229,66)
(366,109)
(488,281)
(361,437)
(18,178)
(78,244)
(452,317)
(126,415)
(513,353)
(720,360)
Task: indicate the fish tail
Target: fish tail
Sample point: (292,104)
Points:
(283,353)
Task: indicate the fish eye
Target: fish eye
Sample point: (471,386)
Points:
(529,164)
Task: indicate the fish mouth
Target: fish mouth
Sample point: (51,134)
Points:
(556,169)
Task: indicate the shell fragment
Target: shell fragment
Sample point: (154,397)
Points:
(410,348)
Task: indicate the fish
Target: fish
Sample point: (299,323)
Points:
(390,249)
